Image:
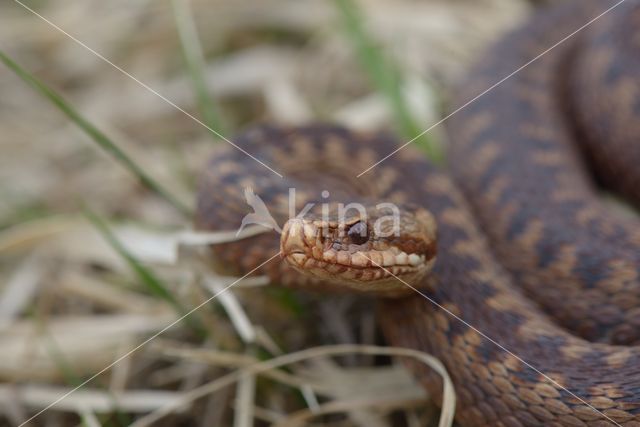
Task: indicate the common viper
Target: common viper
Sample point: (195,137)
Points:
(528,254)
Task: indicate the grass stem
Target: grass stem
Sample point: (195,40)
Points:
(384,75)
(94,133)
(194,58)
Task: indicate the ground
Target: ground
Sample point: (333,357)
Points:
(89,258)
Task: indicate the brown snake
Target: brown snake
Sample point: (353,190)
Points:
(527,251)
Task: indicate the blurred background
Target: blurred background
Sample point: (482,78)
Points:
(92,261)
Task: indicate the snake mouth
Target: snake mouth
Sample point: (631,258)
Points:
(307,251)
(324,269)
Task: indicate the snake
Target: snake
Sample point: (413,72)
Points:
(510,264)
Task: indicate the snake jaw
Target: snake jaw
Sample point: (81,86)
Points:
(375,266)
(292,243)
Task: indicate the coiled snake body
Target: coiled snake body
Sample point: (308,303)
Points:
(527,253)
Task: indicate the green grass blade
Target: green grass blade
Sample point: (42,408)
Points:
(192,52)
(384,75)
(96,135)
(153,283)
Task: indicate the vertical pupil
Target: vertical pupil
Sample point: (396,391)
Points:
(358,233)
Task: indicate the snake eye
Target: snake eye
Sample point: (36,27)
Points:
(358,233)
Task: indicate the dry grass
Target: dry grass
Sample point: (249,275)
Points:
(70,304)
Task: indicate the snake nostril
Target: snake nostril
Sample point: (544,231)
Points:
(359,233)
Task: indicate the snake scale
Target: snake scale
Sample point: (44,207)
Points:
(527,251)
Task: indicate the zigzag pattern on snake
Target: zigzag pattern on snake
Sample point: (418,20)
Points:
(527,251)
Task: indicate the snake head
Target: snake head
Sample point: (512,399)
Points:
(366,252)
